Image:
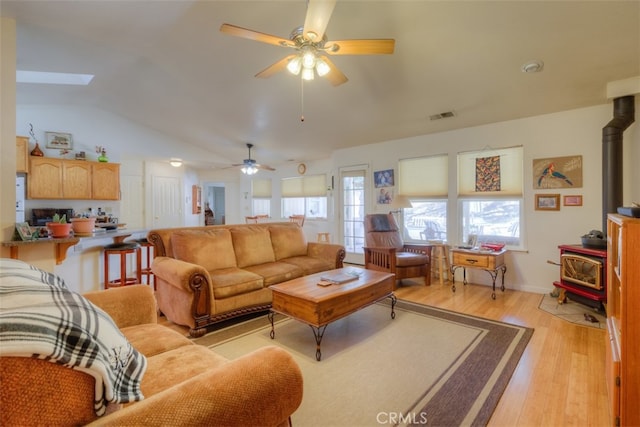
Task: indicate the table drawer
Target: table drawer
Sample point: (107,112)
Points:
(489,261)
(472,260)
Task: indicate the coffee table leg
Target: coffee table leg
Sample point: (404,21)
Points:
(393,305)
(318,333)
(272,334)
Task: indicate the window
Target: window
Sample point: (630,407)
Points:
(490,195)
(261,197)
(425,181)
(306,195)
(426,220)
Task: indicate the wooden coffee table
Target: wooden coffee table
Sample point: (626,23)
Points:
(317,306)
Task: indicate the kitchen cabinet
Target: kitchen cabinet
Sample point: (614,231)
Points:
(105,184)
(76,180)
(623,319)
(22,154)
(51,178)
(45,179)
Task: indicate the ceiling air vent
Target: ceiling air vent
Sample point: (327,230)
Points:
(444,115)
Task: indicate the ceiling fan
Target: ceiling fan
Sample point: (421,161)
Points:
(250,167)
(311,44)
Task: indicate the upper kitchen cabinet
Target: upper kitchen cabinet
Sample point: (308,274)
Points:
(45,179)
(105,184)
(51,178)
(22,154)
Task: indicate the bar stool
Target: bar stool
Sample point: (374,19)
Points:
(147,248)
(324,237)
(122,250)
(440,260)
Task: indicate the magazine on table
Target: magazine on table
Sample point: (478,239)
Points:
(339,278)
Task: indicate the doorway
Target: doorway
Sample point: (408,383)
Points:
(214,198)
(353,190)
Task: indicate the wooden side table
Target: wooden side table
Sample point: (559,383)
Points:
(491,262)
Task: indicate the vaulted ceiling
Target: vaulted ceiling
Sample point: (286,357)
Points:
(166,65)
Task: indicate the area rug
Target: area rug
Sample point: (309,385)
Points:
(573,312)
(426,367)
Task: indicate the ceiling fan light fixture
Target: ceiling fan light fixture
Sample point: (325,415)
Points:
(295,65)
(308,74)
(322,67)
(308,59)
(249,170)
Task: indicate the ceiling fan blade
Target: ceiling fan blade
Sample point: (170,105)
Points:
(264,167)
(275,68)
(234,30)
(335,76)
(318,15)
(360,47)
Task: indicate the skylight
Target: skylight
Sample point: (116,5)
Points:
(43,77)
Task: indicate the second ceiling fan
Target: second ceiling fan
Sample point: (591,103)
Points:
(311,44)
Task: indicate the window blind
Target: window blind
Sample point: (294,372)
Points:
(261,188)
(307,186)
(424,176)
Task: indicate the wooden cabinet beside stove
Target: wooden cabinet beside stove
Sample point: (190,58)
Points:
(51,178)
(623,319)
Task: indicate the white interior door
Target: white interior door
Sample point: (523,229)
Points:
(166,202)
(353,184)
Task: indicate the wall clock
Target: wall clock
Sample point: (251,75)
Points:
(302,168)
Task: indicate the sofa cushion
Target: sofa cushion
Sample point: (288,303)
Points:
(228,282)
(167,369)
(310,265)
(276,272)
(209,248)
(252,245)
(151,338)
(288,241)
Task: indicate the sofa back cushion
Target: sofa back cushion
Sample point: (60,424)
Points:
(252,245)
(209,248)
(288,241)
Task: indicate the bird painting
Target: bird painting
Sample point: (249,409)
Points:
(550,173)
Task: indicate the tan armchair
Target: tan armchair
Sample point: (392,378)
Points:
(386,251)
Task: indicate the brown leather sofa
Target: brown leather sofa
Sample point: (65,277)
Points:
(184,384)
(208,274)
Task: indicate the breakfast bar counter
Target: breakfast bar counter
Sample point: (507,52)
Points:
(60,246)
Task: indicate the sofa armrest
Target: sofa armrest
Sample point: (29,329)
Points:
(261,388)
(332,252)
(128,305)
(181,274)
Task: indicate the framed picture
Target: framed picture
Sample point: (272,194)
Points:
(557,172)
(383,178)
(573,200)
(547,202)
(58,140)
(24,231)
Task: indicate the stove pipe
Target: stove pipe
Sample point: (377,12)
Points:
(623,116)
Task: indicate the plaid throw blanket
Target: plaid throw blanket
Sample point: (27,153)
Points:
(41,318)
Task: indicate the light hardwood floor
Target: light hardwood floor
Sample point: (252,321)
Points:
(560,380)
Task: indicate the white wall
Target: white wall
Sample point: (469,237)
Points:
(576,132)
